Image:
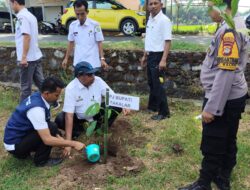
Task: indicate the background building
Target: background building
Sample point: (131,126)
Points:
(130,4)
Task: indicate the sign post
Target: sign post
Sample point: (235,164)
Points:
(106,126)
(124,101)
(120,101)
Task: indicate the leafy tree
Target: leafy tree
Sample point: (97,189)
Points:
(220,6)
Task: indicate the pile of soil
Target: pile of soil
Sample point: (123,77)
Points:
(78,172)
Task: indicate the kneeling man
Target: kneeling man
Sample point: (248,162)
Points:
(29,128)
(81,93)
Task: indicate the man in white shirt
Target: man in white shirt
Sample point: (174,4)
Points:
(157,46)
(86,35)
(29,128)
(82,92)
(28,53)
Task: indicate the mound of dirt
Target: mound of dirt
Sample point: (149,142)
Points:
(78,172)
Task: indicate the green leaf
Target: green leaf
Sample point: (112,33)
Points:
(217,9)
(99,131)
(92,110)
(109,113)
(234,7)
(229,20)
(217,2)
(91,128)
(222,7)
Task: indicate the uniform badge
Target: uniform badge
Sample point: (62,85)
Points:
(98,29)
(90,32)
(228,54)
(18,23)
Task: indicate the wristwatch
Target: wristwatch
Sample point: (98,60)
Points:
(102,58)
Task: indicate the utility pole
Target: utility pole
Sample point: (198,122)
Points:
(147,12)
(11,17)
(171,10)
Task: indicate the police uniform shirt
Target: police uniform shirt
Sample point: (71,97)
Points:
(79,98)
(220,83)
(158,30)
(86,38)
(27,24)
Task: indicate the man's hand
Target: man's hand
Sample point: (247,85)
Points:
(65,63)
(78,146)
(104,65)
(144,61)
(59,137)
(162,65)
(207,117)
(67,152)
(24,62)
(125,111)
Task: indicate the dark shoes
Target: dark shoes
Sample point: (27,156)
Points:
(222,183)
(50,162)
(159,117)
(196,186)
(151,110)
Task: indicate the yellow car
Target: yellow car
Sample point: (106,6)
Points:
(111,15)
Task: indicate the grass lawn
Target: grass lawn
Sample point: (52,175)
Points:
(164,169)
(136,44)
(194,29)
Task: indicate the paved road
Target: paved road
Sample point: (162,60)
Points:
(117,38)
(204,40)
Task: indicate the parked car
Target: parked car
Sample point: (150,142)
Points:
(5,24)
(248,21)
(111,15)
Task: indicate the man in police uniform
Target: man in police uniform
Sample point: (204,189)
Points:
(86,35)
(157,46)
(81,93)
(28,53)
(223,80)
(29,128)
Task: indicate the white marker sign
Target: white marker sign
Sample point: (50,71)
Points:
(124,101)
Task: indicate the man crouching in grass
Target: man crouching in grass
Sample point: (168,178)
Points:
(29,128)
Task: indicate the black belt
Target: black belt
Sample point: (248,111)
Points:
(154,52)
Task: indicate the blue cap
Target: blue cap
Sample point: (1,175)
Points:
(84,68)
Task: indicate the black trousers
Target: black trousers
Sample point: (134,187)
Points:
(33,143)
(77,123)
(219,146)
(157,95)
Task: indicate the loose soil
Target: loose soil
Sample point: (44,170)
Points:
(78,172)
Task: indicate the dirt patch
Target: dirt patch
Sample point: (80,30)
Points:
(3,119)
(247,182)
(244,126)
(78,172)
